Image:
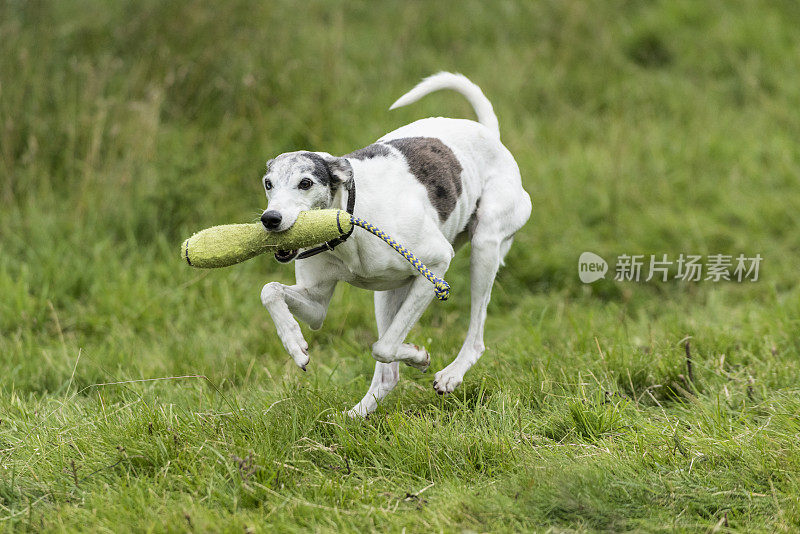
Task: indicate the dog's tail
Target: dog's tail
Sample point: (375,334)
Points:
(456,82)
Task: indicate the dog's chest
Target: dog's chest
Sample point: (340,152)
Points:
(370,264)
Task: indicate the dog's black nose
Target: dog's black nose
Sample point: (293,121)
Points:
(271,219)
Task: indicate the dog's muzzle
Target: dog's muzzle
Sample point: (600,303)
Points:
(285,256)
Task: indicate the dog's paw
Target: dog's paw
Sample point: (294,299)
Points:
(295,344)
(357,412)
(448,379)
(414,356)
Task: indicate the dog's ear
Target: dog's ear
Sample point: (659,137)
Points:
(340,170)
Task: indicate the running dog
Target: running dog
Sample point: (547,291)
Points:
(433,185)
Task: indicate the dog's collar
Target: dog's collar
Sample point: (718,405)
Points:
(333,243)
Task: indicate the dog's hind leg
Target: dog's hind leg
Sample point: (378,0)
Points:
(484,261)
(384,380)
(386,374)
(492,236)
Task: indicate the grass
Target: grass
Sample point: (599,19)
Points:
(137,394)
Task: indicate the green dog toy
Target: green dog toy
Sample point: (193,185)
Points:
(228,244)
(221,246)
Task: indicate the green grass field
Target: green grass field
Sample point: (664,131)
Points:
(138,394)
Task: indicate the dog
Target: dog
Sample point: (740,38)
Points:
(433,185)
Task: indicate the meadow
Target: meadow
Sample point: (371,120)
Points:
(138,394)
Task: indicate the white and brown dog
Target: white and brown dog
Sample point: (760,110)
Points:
(432,185)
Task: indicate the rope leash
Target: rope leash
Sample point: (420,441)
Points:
(440,287)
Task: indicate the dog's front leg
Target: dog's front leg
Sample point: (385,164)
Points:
(309,304)
(390,347)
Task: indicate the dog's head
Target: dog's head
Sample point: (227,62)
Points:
(298,181)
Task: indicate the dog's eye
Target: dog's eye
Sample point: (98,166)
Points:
(267,185)
(305,183)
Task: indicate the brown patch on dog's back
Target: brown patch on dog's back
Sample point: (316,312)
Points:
(436,167)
